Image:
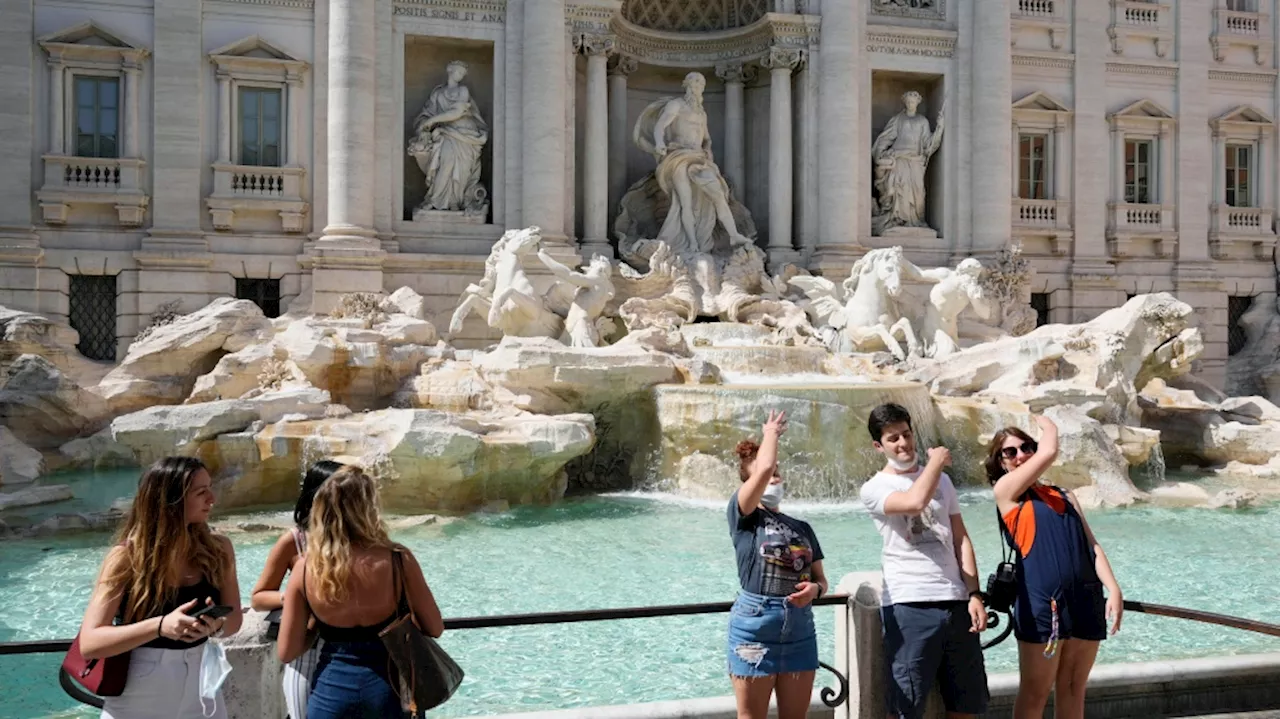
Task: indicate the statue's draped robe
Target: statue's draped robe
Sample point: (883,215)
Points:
(449,155)
(907,141)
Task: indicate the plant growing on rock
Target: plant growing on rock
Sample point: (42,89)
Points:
(164,314)
(274,373)
(361,306)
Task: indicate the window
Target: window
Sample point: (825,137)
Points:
(1032,167)
(97,116)
(260,126)
(1236,338)
(93,315)
(264,293)
(1040,303)
(1242,5)
(1238,175)
(1137,171)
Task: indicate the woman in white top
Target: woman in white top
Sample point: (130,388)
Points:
(267,596)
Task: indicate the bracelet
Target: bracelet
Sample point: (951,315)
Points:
(821,590)
(160,628)
(979,594)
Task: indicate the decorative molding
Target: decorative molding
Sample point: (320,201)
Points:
(588,19)
(1249,77)
(1045,61)
(594,44)
(736,72)
(487,12)
(293,4)
(743,44)
(782,58)
(932,10)
(924,43)
(1142,69)
(622,64)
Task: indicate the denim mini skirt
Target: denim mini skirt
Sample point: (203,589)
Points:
(767,635)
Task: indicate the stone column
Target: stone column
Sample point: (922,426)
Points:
(543,130)
(224,117)
(781,61)
(595,175)
(57,121)
(619,130)
(991,119)
(348,255)
(844,163)
(132,104)
(734,75)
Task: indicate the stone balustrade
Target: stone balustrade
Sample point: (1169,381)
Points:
(252,188)
(86,181)
(1130,222)
(1245,29)
(1245,233)
(1035,8)
(1140,19)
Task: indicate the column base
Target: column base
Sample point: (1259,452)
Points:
(343,264)
(780,257)
(597,247)
(835,260)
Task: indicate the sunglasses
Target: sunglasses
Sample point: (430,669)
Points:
(1028,447)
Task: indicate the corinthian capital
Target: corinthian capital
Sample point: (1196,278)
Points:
(735,72)
(594,43)
(622,65)
(780,58)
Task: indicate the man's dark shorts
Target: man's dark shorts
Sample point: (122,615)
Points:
(930,641)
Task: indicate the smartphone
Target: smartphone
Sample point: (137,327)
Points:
(213,611)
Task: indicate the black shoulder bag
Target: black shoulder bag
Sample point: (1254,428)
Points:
(1002,586)
(425,675)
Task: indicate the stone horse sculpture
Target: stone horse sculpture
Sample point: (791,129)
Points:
(862,314)
(505,296)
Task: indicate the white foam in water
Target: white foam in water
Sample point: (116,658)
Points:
(799,378)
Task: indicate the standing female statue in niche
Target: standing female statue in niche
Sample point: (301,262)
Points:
(901,154)
(448,137)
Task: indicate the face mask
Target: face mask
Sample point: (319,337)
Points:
(214,669)
(900,465)
(772,497)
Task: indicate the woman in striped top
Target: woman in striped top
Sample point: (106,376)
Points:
(268,597)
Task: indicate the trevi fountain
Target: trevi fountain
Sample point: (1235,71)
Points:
(634,373)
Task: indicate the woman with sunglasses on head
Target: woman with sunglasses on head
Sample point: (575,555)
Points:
(267,596)
(1059,615)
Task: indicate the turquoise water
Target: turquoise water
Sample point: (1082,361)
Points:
(630,550)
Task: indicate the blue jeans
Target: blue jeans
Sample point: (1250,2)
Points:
(767,635)
(351,683)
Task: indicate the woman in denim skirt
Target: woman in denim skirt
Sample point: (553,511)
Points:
(773,647)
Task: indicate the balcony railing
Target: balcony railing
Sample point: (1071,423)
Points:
(1036,213)
(1244,233)
(1240,23)
(251,188)
(1242,29)
(1139,19)
(1035,9)
(1141,14)
(71,181)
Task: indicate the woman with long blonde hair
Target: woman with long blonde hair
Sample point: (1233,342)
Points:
(346,581)
(166,565)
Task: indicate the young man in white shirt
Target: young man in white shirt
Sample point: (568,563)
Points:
(931,607)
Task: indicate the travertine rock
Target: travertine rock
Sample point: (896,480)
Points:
(162,368)
(32,496)
(45,407)
(19,464)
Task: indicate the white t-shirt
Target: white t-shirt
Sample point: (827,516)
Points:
(919,554)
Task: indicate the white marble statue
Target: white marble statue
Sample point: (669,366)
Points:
(901,154)
(862,314)
(505,295)
(674,131)
(951,293)
(448,136)
(585,324)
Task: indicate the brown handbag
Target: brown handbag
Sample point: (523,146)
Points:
(425,675)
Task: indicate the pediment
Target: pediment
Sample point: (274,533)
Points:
(256,48)
(1040,101)
(89,35)
(1244,114)
(1143,110)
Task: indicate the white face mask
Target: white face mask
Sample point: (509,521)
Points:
(900,465)
(772,497)
(214,669)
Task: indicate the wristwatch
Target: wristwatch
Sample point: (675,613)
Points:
(982,597)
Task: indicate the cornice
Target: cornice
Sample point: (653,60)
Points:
(1143,69)
(1054,61)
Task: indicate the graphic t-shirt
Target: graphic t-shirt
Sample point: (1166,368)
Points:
(918,555)
(775,552)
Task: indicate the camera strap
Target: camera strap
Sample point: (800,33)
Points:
(1010,548)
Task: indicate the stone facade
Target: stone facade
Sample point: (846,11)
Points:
(183,150)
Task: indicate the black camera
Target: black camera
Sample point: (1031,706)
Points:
(1002,587)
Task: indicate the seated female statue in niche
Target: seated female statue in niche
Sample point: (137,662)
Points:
(448,135)
(901,154)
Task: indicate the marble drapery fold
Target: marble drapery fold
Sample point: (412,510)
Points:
(449,135)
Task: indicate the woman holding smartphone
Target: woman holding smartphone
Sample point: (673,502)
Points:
(773,646)
(268,597)
(166,565)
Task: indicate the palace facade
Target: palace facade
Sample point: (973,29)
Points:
(166,152)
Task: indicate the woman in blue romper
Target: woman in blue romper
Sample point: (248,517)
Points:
(1059,615)
(773,646)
